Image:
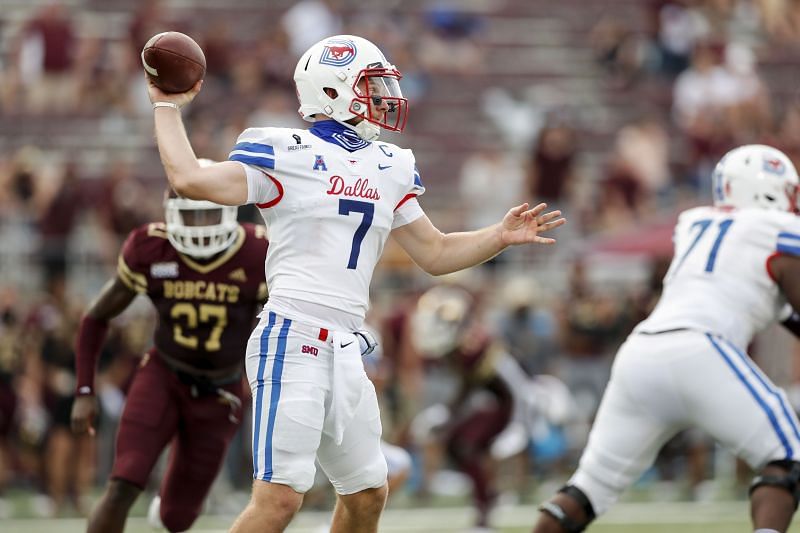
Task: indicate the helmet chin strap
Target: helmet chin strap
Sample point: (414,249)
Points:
(364,129)
(367,130)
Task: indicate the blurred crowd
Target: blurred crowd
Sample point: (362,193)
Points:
(668,87)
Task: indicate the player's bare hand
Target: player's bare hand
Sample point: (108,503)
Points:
(84,413)
(181,99)
(522,225)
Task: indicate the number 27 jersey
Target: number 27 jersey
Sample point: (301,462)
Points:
(719,279)
(205,308)
(329,211)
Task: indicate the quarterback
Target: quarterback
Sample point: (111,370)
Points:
(330,195)
(735,271)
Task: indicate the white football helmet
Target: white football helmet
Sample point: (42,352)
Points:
(440,319)
(756,175)
(199,228)
(346,77)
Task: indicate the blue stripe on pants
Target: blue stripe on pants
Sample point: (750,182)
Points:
(771,388)
(262,363)
(277,372)
(766,408)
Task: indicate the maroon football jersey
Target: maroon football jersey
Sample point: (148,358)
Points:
(475,361)
(205,309)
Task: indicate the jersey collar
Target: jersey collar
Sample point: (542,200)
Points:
(333,132)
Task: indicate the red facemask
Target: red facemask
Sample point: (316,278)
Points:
(379,99)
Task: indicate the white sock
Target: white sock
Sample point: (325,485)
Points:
(766,531)
(154,515)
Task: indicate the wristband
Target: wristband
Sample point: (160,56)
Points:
(166,104)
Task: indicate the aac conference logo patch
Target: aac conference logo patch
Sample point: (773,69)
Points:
(338,53)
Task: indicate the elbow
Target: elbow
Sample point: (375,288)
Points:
(181,185)
(427,266)
(434,269)
(185,187)
(184,181)
(432,262)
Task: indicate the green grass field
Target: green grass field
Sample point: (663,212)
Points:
(716,517)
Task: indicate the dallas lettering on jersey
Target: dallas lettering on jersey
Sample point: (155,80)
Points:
(201,290)
(360,189)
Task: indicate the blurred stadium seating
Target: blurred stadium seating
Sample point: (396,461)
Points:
(488,81)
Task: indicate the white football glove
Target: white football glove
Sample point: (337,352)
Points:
(366,341)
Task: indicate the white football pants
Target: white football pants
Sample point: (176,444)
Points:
(665,383)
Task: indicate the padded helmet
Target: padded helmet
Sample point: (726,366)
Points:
(347,77)
(199,228)
(756,175)
(439,320)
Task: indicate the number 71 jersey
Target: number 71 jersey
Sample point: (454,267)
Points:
(719,279)
(329,211)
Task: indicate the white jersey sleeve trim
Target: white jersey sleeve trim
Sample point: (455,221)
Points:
(788,243)
(261,187)
(407,212)
(253,147)
(417,187)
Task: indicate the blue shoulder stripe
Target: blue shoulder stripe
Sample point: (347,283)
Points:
(789,249)
(265,162)
(417,178)
(257,148)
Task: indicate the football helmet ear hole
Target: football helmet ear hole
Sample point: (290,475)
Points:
(331,92)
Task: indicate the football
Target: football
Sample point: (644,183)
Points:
(173,61)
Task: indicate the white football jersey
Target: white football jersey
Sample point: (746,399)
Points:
(329,210)
(719,280)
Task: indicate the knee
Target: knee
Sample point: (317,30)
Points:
(286,504)
(177,518)
(779,476)
(460,452)
(274,500)
(121,494)
(378,496)
(368,502)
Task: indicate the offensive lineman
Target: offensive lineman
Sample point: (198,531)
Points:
(203,273)
(330,196)
(736,266)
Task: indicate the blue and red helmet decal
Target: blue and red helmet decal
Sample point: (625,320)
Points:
(338,52)
(773,165)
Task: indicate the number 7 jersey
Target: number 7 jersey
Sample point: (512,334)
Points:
(330,201)
(719,279)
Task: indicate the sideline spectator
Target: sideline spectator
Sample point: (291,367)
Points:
(46,57)
(551,172)
(308,22)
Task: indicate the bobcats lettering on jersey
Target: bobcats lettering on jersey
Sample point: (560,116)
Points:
(202,307)
(201,290)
